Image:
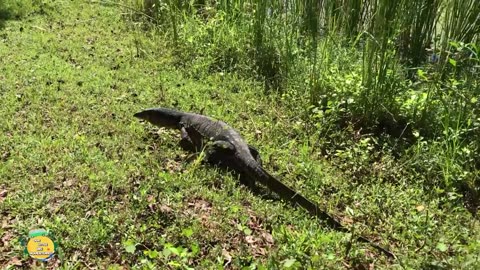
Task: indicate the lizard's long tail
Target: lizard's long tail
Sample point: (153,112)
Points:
(290,195)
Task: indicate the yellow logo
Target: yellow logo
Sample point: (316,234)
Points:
(40,246)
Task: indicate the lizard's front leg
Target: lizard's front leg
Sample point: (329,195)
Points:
(186,142)
(220,153)
(190,140)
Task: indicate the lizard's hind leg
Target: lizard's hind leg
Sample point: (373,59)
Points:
(222,154)
(255,154)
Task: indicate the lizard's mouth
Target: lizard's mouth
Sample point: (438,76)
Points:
(138,115)
(143,116)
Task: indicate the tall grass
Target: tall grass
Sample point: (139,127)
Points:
(418,29)
(461,21)
(380,61)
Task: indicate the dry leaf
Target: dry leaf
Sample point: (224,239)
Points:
(260,252)
(249,239)
(68,183)
(165,209)
(3,195)
(227,257)
(15,261)
(347,220)
(268,237)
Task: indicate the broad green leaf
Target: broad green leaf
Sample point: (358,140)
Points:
(174,250)
(289,263)
(442,247)
(422,74)
(195,248)
(454,44)
(152,254)
(187,232)
(166,252)
(130,248)
(452,62)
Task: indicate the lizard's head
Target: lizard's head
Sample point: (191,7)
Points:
(160,117)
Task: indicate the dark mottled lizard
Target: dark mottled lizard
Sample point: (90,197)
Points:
(225,146)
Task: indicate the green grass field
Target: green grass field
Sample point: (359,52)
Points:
(120,194)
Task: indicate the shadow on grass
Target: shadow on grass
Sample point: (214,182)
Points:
(4,16)
(257,190)
(471,197)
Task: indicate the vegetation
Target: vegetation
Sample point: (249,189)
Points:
(370,108)
(10,9)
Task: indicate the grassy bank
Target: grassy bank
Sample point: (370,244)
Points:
(117,192)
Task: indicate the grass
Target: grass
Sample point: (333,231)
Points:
(116,192)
